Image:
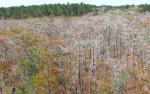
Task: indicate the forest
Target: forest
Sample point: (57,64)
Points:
(74,9)
(105,50)
(46,10)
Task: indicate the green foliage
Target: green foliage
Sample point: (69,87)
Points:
(29,65)
(93,82)
(30,61)
(128,8)
(68,9)
(118,81)
(61,80)
(144,7)
(21,91)
(36,53)
(46,10)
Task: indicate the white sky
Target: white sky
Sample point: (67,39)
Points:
(6,3)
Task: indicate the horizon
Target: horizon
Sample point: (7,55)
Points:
(10,3)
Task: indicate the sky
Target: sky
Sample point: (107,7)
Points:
(8,3)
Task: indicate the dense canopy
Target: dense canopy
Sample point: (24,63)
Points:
(75,9)
(46,10)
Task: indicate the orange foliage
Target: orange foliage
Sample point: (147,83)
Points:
(6,66)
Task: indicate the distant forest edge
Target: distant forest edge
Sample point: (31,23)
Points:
(75,9)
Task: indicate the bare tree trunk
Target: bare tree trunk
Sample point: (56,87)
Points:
(1,90)
(49,86)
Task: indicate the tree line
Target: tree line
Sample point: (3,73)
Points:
(138,8)
(75,9)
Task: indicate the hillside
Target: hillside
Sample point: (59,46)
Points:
(103,53)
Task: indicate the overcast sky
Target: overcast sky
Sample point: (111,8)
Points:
(6,3)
